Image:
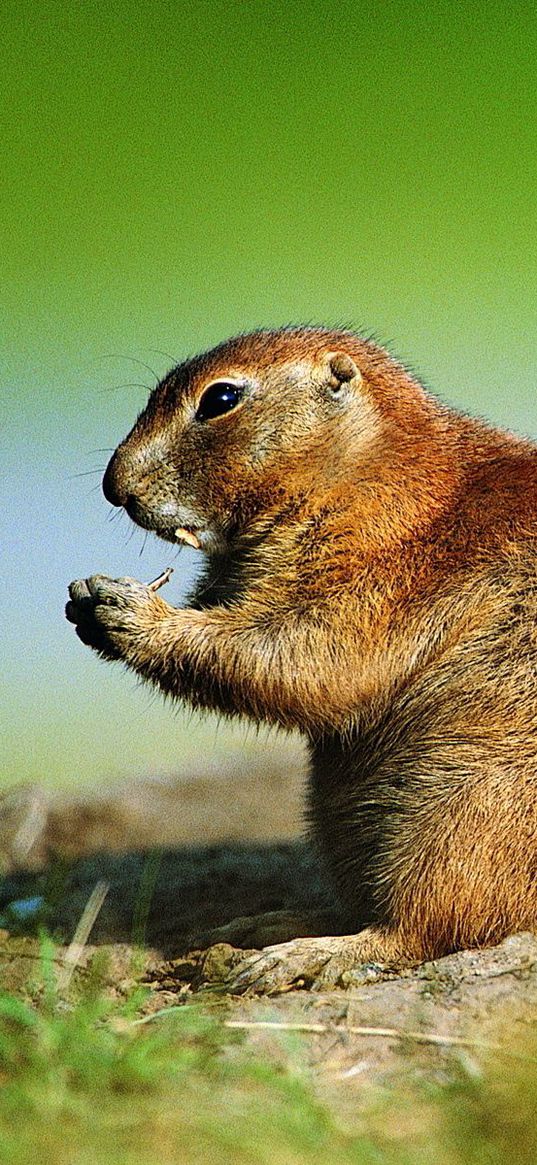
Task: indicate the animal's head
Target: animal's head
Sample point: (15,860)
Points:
(243,428)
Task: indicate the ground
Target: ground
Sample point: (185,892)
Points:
(159,896)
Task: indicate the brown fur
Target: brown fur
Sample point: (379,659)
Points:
(372,581)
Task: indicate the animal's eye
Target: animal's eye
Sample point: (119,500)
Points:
(217,399)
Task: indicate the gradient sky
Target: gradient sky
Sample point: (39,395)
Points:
(174,173)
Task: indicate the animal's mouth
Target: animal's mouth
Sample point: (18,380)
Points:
(165,522)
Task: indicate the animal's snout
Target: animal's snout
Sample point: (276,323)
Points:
(138,479)
(129,476)
(117,485)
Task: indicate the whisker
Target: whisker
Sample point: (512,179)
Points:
(159,352)
(127,384)
(85,473)
(133,359)
(142,547)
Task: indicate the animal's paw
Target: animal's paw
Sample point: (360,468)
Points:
(314,963)
(263,930)
(112,614)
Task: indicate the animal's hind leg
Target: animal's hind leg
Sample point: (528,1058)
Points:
(458,871)
(467,876)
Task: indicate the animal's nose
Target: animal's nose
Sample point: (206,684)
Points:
(115,484)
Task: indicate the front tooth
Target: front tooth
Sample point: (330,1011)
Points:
(187,536)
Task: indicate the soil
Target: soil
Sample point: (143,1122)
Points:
(181,858)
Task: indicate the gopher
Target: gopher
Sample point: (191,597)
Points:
(371,581)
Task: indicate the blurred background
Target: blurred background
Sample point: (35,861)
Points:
(174,173)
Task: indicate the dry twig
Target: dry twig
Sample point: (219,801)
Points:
(75,949)
(382,1032)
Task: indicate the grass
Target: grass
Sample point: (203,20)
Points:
(81,1082)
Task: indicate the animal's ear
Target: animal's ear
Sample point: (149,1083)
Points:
(341,370)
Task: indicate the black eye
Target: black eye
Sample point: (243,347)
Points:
(218,399)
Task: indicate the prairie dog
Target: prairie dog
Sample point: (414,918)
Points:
(371,579)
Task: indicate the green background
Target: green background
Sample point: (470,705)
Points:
(176,172)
